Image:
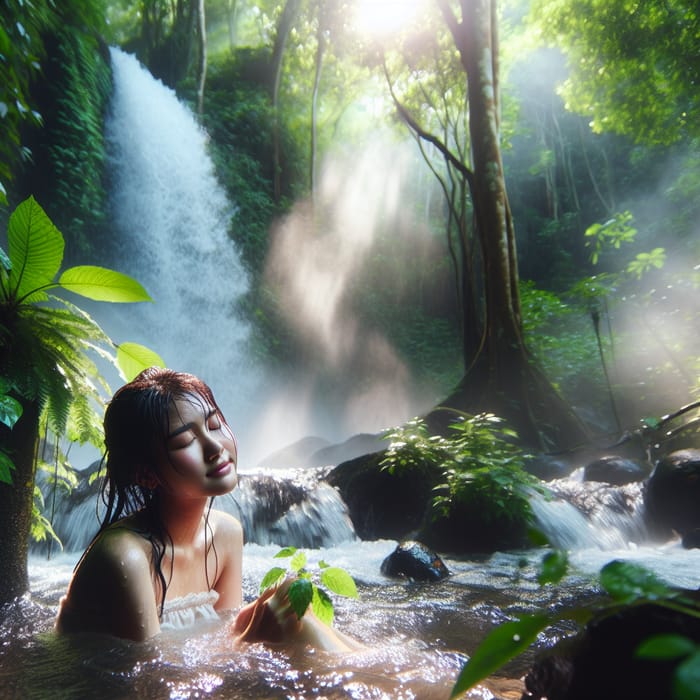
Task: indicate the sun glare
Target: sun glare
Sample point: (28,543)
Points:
(382,17)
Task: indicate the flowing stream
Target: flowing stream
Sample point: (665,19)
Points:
(417,635)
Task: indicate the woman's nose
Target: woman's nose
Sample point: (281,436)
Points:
(214,449)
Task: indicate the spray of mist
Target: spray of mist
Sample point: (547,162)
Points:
(318,253)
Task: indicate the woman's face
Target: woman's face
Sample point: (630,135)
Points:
(200,453)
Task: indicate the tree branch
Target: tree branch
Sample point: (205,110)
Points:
(426,136)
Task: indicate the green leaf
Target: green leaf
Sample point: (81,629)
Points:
(664,647)
(300,595)
(102,284)
(10,410)
(6,467)
(339,581)
(627,582)
(35,249)
(133,358)
(285,552)
(272,578)
(298,561)
(554,567)
(500,645)
(322,606)
(686,681)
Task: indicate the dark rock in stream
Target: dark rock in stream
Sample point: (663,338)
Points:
(414,561)
(602,662)
(382,505)
(615,470)
(672,495)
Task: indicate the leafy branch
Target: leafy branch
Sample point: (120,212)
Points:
(305,590)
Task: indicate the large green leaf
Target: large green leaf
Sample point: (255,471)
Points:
(35,249)
(133,358)
(501,645)
(101,284)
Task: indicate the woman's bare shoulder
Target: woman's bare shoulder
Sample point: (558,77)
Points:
(225,524)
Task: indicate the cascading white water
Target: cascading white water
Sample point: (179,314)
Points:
(171,219)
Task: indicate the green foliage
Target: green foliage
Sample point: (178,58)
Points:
(46,342)
(480,467)
(613,233)
(412,447)
(631,66)
(305,589)
(21,49)
(501,645)
(68,168)
(672,647)
(486,472)
(627,584)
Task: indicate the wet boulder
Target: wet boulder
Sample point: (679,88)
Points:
(672,494)
(414,561)
(601,662)
(615,470)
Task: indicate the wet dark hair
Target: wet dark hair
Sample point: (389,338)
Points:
(136,426)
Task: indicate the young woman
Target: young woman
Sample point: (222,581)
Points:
(163,558)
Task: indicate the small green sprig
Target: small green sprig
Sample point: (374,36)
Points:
(304,590)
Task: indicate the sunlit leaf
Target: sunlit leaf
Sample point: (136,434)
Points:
(272,578)
(499,646)
(322,606)
(35,249)
(133,358)
(339,581)
(298,561)
(285,552)
(102,284)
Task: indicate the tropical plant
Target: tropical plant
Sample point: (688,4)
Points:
(304,590)
(479,468)
(49,349)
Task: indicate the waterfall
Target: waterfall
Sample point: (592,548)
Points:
(171,220)
(295,509)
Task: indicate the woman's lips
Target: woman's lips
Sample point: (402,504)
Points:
(220,470)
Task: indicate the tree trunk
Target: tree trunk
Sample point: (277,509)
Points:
(232,11)
(503,379)
(202,62)
(284,26)
(16,501)
(318,63)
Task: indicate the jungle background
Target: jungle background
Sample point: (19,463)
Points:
(594,112)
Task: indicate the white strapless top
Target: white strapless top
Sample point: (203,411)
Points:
(188,610)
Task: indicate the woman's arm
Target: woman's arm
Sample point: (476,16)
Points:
(112,590)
